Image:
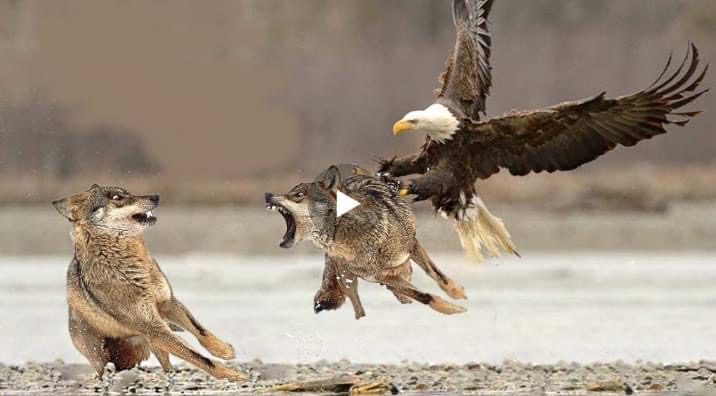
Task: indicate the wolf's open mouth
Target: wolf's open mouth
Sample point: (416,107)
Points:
(145,217)
(288,237)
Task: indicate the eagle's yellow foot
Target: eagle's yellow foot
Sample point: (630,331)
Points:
(404,192)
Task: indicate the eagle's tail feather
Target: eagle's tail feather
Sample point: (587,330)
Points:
(478,229)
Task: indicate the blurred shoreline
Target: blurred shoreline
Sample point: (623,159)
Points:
(683,226)
(641,187)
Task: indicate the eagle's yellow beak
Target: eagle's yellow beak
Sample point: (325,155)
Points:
(402,126)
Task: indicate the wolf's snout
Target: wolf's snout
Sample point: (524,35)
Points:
(154,198)
(268,196)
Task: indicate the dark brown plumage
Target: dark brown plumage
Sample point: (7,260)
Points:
(467,78)
(567,135)
(560,137)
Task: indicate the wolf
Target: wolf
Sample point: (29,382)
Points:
(375,241)
(121,305)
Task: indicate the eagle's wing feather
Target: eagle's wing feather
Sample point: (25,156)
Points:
(567,135)
(467,79)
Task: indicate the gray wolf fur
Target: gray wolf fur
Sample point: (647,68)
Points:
(121,306)
(375,241)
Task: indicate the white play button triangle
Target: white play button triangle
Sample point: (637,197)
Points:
(344,203)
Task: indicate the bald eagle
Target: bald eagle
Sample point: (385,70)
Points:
(461,147)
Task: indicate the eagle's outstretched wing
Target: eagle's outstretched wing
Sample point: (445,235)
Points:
(466,81)
(567,135)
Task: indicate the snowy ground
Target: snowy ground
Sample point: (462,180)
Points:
(544,308)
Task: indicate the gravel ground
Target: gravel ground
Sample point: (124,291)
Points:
(507,378)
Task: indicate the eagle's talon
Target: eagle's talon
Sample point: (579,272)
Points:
(405,191)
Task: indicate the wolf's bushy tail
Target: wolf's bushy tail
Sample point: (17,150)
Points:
(479,229)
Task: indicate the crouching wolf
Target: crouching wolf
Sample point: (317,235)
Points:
(375,241)
(121,305)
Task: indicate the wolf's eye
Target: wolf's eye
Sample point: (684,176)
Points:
(298,195)
(116,197)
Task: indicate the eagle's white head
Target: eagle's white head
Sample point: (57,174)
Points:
(437,121)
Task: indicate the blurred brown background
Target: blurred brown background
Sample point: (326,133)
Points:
(215,102)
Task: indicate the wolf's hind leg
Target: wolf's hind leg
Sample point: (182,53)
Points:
(420,256)
(403,299)
(349,286)
(399,285)
(404,271)
(175,312)
(160,337)
(163,357)
(330,296)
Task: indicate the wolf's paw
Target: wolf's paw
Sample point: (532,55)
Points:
(230,374)
(328,300)
(445,307)
(359,313)
(326,304)
(453,290)
(218,348)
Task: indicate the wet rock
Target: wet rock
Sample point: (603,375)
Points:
(702,374)
(422,387)
(274,371)
(656,387)
(613,385)
(124,380)
(76,372)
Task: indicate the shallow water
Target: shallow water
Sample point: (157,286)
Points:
(543,308)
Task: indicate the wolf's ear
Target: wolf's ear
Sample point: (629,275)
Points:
(64,207)
(332,179)
(92,187)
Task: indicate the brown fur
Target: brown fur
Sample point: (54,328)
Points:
(375,241)
(121,306)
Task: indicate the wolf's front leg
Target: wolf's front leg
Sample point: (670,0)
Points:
(349,286)
(401,286)
(88,341)
(330,296)
(420,256)
(161,338)
(175,312)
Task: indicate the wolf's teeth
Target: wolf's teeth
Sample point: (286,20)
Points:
(149,213)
